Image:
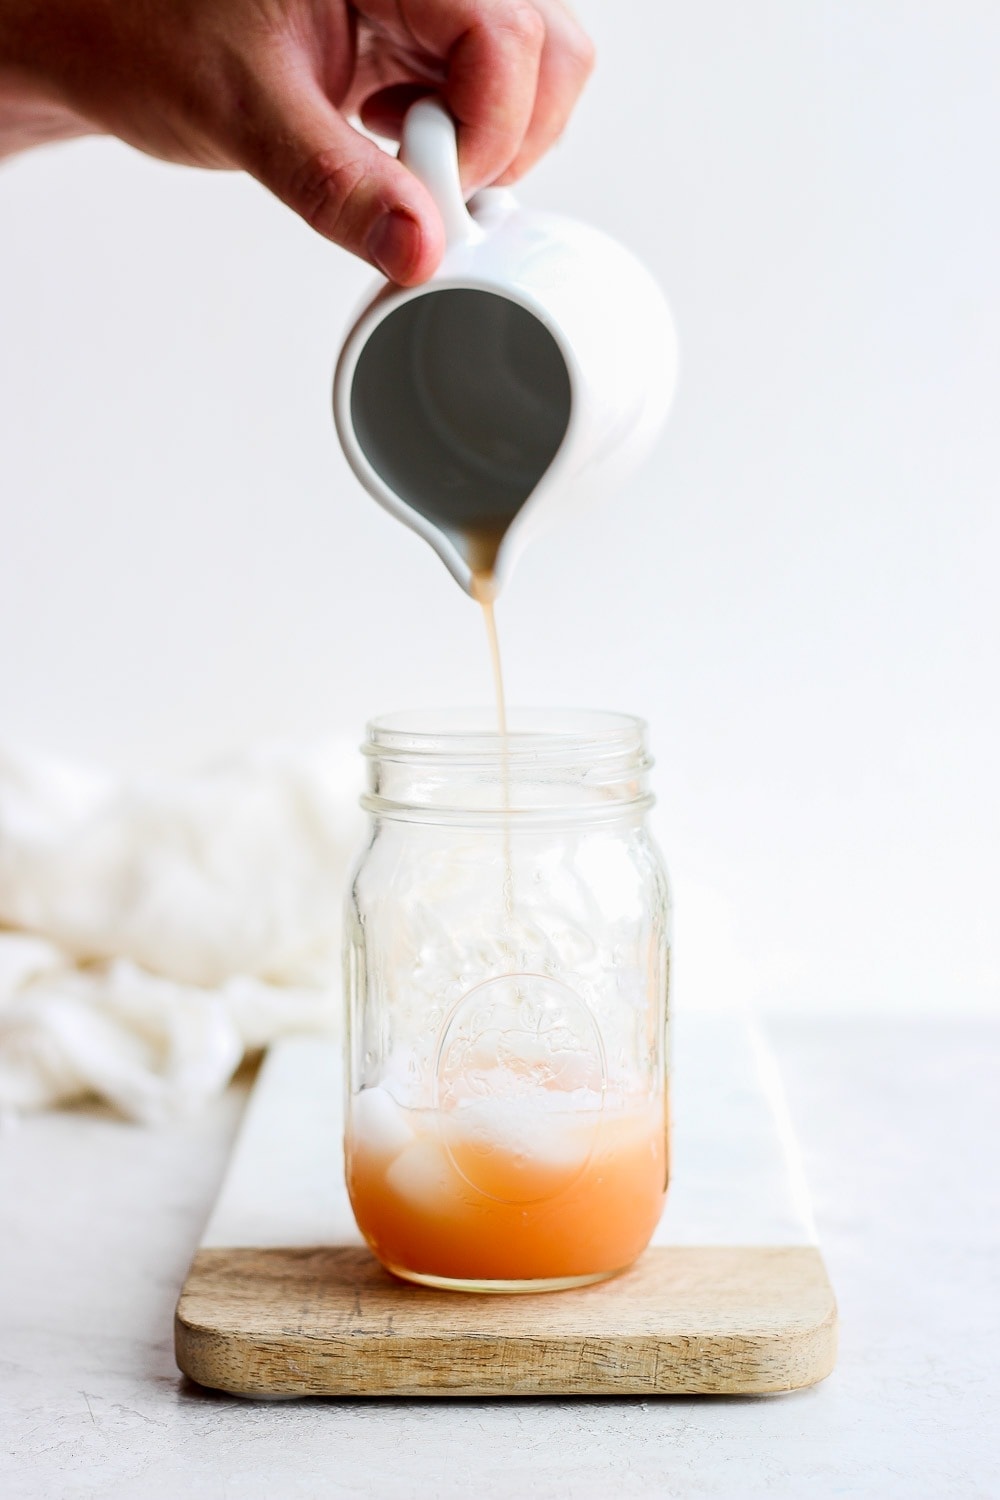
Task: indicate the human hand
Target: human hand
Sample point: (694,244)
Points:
(268,85)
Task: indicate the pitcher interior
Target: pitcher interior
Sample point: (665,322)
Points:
(460,401)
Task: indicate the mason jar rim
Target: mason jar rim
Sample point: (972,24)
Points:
(454,765)
(533,734)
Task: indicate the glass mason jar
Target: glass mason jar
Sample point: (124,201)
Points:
(507,963)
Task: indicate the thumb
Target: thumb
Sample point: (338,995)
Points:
(344,185)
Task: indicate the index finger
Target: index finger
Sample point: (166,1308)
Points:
(567,62)
(492,50)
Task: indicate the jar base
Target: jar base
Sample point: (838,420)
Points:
(503,1288)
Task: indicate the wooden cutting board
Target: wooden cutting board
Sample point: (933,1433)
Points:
(283,1299)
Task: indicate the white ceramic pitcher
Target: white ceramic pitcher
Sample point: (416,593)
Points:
(531,374)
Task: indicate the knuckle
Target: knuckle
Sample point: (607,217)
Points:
(525,23)
(327,191)
(582,52)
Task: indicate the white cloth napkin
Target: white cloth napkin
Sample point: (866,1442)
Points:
(153,929)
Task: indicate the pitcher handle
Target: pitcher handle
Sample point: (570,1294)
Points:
(429,150)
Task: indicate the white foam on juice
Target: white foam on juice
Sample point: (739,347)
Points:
(556,1137)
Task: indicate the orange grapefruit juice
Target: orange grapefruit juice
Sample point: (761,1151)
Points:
(505,1193)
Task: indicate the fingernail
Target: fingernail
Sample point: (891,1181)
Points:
(394,244)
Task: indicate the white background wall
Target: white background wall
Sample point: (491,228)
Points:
(800,592)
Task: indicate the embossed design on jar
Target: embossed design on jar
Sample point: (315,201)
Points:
(520,1083)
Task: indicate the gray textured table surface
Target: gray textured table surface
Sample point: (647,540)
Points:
(899,1124)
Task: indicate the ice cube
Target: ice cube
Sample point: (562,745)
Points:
(423,1178)
(378,1125)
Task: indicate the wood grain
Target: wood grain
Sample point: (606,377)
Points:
(332,1322)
